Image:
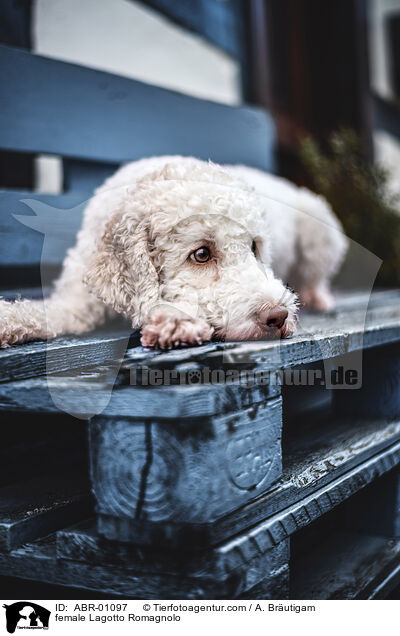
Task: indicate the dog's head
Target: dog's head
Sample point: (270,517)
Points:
(194,237)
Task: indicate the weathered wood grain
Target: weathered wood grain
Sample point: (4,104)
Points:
(83,557)
(320,337)
(82,543)
(37,561)
(82,393)
(78,557)
(63,354)
(315,457)
(278,527)
(163,475)
(273,516)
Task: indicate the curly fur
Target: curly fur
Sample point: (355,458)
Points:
(132,256)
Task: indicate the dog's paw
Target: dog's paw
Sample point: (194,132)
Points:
(318,298)
(167,332)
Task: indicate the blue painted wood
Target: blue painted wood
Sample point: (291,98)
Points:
(45,227)
(53,107)
(38,561)
(346,331)
(173,473)
(77,556)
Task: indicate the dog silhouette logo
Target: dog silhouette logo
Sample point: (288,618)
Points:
(26,615)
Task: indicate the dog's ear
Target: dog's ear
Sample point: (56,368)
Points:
(122,273)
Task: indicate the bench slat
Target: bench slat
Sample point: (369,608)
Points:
(22,241)
(59,108)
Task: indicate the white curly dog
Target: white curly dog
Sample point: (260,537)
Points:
(189,250)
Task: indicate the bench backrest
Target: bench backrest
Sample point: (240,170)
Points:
(95,121)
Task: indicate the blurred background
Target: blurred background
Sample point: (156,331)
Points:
(328,72)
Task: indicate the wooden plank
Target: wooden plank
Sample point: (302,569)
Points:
(280,526)
(41,238)
(63,354)
(347,566)
(389,583)
(320,337)
(34,508)
(32,293)
(336,462)
(82,394)
(81,543)
(58,108)
(363,567)
(37,561)
(165,478)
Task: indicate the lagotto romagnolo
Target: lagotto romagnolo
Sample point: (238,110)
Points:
(188,250)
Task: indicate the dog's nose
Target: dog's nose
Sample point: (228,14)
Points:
(273,318)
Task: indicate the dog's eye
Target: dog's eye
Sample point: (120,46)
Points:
(254,247)
(201,255)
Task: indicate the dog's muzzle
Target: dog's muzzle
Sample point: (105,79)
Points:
(273,318)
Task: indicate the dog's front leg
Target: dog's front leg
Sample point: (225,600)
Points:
(168,327)
(73,313)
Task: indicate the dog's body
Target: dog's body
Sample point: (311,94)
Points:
(185,249)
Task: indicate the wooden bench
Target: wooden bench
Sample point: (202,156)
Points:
(198,487)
